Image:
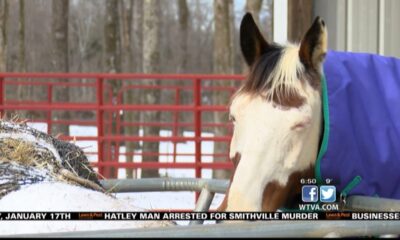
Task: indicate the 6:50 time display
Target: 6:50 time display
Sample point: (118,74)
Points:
(308,181)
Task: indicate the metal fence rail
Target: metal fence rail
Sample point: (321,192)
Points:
(208,187)
(107,103)
(165,184)
(361,203)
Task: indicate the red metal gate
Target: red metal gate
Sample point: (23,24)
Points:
(107,102)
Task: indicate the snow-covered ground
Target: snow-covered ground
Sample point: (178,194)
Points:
(63,197)
(153,200)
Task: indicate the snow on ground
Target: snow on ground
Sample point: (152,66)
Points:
(153,200)
(70,198)
(168,200)
(42,198)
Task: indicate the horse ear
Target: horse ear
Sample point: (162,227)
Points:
(252,42)
(314,45)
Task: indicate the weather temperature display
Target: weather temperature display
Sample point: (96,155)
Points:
(314,181)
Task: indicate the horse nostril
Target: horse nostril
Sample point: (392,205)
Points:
(322,22)
(236,159)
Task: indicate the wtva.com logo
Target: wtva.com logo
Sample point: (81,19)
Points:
(326,194)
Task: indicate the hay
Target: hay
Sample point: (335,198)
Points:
(29,149)
(24,153)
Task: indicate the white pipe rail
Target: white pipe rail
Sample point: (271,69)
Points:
(220,186)
(373,204)
(324,228)
(203,204)
(164,184)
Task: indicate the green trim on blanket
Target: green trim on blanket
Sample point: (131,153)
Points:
(350,186)
(324,144)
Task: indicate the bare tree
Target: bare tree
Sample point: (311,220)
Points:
(126,12)
(112,64)
(60,11)
(222,37)
(254,7)
(182,66)
(86,23)
(151,64)
(232,34)
(38,39)
(83,34)
(111,37)
(183,14)
(133,19)
(180,38)
(3,34)
(59,26)
(299,18)
(22,91)
(137,37)
(131,95)
(21,37)
(223,64)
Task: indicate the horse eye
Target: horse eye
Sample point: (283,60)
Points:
(232,118)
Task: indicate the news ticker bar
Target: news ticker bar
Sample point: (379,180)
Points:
(180,216)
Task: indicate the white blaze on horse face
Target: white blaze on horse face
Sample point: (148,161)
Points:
(271,147)
(273,142)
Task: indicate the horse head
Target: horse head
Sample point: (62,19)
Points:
(277,118)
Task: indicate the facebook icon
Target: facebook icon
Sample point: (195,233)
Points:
(309,193)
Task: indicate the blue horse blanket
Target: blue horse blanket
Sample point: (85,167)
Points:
(360,149)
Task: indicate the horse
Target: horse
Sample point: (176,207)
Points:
(276,116)
(41,173)
(288,118)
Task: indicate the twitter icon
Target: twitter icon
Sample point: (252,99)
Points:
(327,193)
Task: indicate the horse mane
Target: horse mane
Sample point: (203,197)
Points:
(275,76)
